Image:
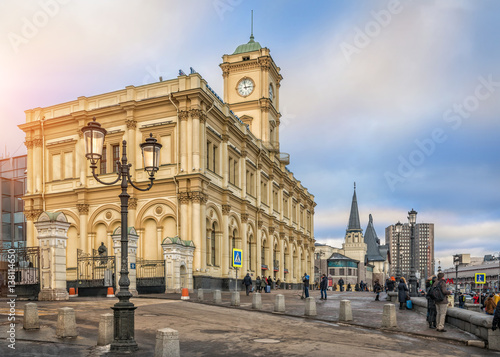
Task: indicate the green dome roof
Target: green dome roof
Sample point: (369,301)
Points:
(248,47)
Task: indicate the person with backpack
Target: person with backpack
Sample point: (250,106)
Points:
(431,305)
(323,285)
(305,280)
(247,281)
(441,300)
(377,288)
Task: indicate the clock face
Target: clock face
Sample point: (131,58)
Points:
(245,87)
(271,92)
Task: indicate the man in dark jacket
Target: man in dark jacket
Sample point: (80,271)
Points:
(377,288)
(305,280)
(247,280)
(341,284)
(441,306)
(390,285)
(431,305)
(496,319)
(323,285)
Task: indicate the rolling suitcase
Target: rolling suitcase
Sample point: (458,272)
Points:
(268,288)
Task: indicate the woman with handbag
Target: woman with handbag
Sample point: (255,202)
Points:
(402,293)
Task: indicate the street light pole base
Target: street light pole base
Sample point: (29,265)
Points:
(124,327)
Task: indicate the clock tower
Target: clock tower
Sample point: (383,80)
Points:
(251,88)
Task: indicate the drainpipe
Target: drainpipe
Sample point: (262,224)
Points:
(177,162)
(43,163)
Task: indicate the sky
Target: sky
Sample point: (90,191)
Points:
(401,97)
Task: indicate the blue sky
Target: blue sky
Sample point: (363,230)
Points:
(374,92)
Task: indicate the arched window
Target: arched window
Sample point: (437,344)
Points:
(213,244)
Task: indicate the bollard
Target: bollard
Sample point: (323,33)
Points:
(235,298)
(200,294)
(310,307)
(217,297)
(66,323)
(111,292)
(345,313)
(72,293)
(105,330)
(279,303)
(185,294)
(389,316)
(167,343)
(256,301)
(30,320)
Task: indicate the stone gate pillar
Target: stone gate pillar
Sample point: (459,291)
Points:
(178,255)
(52,228)
(132,257)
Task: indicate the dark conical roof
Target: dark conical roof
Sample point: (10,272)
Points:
(372,243)
(354,225)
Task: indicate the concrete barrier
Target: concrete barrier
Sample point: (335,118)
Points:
(30,319)
(106,330)
(200,294)
(477,323)
(310,307)
(345,312)
(389,316)
(256,301)
(167,343)
(279,303)
(473,307)
(217,297)
(66,323)
(235,298)
(393,297)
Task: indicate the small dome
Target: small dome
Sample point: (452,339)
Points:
(248,47)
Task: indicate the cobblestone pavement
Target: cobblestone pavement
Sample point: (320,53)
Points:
(209,330)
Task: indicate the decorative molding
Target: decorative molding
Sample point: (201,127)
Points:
(196,113)
(37,142)
(83,208)
(28,144)
(260,223)
(271,230)
(183,115)
(265,63)
(282,235)
(226,209)
(225,69)
(131,123)
(244,153)
(183,197)
(197,196)
(80,133)
(244,217)
(225,137)
(132,203)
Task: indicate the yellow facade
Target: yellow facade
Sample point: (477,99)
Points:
(223,183)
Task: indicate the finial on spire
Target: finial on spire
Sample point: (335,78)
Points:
(251,33)
(354,185)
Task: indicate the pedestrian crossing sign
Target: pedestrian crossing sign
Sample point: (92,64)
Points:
(480,278)
(237,254)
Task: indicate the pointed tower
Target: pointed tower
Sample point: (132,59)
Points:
(251,88)
(355,246)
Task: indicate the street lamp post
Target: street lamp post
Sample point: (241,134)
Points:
(399,228)
(93,136)
(456,261)
(412,218)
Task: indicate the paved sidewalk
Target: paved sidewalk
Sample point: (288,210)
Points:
(366,311)
(209,330)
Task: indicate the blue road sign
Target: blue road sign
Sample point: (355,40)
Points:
(132,265)
(237,254)
(480,278)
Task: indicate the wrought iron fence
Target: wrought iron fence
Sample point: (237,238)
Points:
(95,270)
(150,273)
(24,265)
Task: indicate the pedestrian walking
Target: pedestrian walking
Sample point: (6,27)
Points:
(341,284)
(402,292)
(323,285)
(431,305)
(278,283)
(305,280)
(441,306)
(490,305)
(390,285)
(377,288)
(348,287)
(247,281)
(263,284)
(461,300)
(257,284)
(496,319)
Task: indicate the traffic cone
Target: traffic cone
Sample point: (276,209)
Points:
(185,294)
(110,292)
(72,293)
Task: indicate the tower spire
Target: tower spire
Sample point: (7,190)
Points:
(251,31)
(354,224)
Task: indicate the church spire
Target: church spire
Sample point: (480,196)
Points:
(251,31)
(354,225)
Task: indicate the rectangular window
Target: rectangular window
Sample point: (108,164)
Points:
(103,162)
(68,165)
(215,161)
(116,157)
(56,167)
(208,155)
(165,155)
